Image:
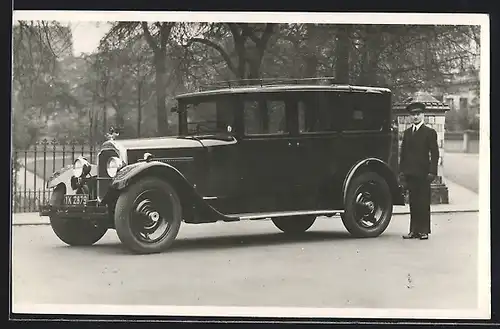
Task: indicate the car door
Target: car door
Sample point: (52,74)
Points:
(267,151)
(317,155)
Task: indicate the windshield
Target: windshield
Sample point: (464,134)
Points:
(209,117)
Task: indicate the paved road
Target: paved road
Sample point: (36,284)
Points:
(252,264)
(463,169)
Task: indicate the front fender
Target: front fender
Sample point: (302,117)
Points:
(381,168)
(128,174)
(190,198)
(65,176)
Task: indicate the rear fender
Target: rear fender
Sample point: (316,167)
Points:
(191,201)
(383,169)
(64,176)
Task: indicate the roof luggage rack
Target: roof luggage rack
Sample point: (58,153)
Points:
(262,82)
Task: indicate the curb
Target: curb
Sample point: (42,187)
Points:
(36,220)
(439,211)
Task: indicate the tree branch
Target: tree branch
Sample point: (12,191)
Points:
(266,35)
(218,48)
(247,31)
(149,37)
(165,30)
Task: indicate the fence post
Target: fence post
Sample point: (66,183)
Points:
(54,143)
(64,154)
(14,180)
(44,143)
(34,170)
(466,141)
(25,160)
(29,201)
(73,143)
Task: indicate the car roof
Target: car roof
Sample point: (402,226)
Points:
(281,88)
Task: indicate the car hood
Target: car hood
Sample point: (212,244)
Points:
(171,142)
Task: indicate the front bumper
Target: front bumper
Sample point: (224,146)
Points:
(82,212)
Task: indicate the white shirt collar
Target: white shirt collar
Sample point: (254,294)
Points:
(417,127)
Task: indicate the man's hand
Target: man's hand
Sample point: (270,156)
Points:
(431,177)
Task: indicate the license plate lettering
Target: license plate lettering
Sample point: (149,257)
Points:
(76,200)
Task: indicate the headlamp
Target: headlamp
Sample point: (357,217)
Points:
(114,164)
(81,167)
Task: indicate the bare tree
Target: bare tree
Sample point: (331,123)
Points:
(158,36)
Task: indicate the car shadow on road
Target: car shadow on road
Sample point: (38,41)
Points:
(255,240)
(241,241)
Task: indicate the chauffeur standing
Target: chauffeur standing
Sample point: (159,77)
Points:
(418,167)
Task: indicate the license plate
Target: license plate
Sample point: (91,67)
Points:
(76,200)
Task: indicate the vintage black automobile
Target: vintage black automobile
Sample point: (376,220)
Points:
(289,151)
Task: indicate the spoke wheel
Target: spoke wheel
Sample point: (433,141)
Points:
(368,208)
(148,216)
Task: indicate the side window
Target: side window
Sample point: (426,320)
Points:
(253,124)
(225,114)
(264,117)
(318,112)
(366,112)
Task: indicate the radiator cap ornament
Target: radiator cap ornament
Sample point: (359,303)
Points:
(113,133)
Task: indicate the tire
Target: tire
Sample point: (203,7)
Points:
(74,231)
(368,206)
(143,208)
(294,224)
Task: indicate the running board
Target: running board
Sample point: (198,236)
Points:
(264,215)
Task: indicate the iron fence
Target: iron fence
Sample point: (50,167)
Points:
(32,167)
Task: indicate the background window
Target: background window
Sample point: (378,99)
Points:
(264,117)
(317,113)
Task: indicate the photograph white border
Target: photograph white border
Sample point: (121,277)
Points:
(484,249)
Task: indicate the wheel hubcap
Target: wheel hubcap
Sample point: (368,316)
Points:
(151,216)
(368,205)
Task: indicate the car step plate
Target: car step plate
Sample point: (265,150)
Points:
(262,215)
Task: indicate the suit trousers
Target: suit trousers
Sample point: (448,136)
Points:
(420,204)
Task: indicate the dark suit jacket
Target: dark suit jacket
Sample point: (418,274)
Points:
(419,152)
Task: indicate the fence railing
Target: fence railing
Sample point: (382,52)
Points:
(33,166)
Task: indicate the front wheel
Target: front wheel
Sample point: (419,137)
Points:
(368,206)
(148,216)
(294,224)
(74,231)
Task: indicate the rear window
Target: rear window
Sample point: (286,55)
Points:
(366,112)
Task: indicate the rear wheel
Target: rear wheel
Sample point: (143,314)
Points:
(368,205)
(294,224)
(74,231)
(148,216)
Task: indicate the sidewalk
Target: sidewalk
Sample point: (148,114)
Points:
(461,200)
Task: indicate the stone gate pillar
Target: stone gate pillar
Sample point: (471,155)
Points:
(434,117)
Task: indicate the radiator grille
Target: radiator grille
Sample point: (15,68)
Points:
(103,179)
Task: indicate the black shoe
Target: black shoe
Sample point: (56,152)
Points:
(411,235)
(423,236)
